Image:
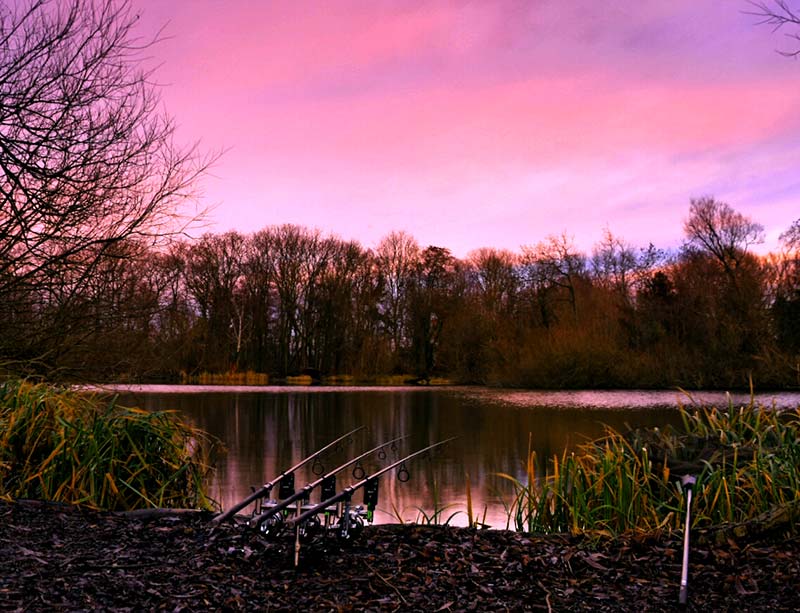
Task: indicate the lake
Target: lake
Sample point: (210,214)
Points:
(269,429)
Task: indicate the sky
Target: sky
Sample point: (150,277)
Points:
(484,123)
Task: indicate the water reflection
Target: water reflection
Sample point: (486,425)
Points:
(267,431)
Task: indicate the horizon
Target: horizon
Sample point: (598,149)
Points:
(489,125)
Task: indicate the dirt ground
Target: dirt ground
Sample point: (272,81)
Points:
(55,558)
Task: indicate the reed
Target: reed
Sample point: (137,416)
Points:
(472,519)
(300,380)
(70,447)
(536,505)
(747,462)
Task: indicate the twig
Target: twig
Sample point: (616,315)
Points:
(546,597)
(379,576)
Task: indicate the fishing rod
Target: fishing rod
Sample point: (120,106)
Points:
(327,481)
(347,493)
(267,487)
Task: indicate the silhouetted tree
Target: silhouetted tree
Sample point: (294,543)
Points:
(720,293)
(262,302)
(791,237)
(431,303)
(620,267)
(87,158)
(214,279)
(786,293)
(714,227)
(496,279)
(553,269)
(396,258)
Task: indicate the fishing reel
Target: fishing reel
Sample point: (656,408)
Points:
(351,523)
(268,524)
(309,529)
(271,526)
(352,519)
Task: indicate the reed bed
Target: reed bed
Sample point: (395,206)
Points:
(248,377)
(746,460)
(70,447)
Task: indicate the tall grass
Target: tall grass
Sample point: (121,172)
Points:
(747,462)
(64,446)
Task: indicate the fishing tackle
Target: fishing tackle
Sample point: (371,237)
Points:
(350,518)
(265,489)
(268,520)
(402,473)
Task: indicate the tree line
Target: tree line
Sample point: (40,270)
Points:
(288,300)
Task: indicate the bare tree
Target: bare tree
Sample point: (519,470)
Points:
(714,227)
(87,158)
(432,297)
(791,238)
(214,279)
(296,260)
(397,256)
(496,278)
(554,263)
(779,14)
(725,281)
(620,267)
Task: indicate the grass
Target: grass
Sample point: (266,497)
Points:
(70,447)
(747,463)
(439,515)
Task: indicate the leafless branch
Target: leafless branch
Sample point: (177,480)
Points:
(779,14)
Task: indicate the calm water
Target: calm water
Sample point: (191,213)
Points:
(267,430)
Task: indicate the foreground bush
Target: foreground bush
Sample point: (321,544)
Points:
(64,446)
(746,460)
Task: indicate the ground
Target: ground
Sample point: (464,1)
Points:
(55,558)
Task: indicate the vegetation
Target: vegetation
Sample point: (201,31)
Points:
(228,378)
(746,460)
(440,514)
(70,447)
(287,301)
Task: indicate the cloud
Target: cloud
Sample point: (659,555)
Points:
(484,124)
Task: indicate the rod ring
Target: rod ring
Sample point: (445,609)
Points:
(402,474)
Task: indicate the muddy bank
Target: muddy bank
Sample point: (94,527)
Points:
(56,558)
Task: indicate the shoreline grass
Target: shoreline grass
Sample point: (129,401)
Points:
(71,447)
(746,460)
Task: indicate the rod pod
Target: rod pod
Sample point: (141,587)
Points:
(305,492)
(267,487)
(347,493)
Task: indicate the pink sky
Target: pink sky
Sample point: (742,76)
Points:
(492,123)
